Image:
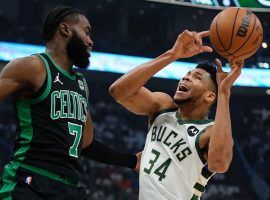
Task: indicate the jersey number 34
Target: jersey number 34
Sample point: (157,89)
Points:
(160,170)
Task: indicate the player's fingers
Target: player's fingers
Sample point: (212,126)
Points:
(231,60)
(236,61)
(198,42)
(219,65)
(239,62)
(193,43)
(204,33)
(235,72)
(206,49)
(197,39)
(186,34)
(192,47)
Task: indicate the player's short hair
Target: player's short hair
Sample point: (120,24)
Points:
(56,16)
(212,70)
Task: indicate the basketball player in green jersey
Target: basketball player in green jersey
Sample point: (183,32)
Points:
(183,148)
(54,124)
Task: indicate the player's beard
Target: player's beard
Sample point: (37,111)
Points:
(77,51)
(182,101)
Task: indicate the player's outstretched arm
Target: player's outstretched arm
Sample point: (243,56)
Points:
(97,151)
(129,91)
(21,74)
(220,150)
(100,152)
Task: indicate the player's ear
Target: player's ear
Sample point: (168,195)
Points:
(65,29)
(210,96)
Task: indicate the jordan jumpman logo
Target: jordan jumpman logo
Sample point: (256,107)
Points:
(57,79)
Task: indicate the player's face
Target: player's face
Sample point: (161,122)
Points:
(80,44)
(193,87)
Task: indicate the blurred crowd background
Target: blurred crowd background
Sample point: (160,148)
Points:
(144,28)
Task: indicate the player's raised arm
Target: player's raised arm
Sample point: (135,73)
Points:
(221,142)
(20,74)
(129,91)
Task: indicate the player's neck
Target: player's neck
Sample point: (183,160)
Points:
(60,57)
(188,112)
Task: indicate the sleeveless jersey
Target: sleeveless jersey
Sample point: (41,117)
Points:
(172,165)
(51,124)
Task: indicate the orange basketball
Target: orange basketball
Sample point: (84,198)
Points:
(236,32)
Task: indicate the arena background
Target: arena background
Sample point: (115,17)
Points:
(145,29)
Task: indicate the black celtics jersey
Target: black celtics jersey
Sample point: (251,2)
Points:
(51,124)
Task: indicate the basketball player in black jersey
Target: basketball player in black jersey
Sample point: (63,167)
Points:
(54,124)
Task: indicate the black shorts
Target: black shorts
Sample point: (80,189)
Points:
(27,185)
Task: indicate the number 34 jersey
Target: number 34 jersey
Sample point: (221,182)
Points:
(172,165)
(50,125)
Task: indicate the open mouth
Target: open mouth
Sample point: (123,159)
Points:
(183,88)
(89,48)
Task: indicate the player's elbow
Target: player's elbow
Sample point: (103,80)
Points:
(219,162)
(116,92)
(113,91)
(218,167)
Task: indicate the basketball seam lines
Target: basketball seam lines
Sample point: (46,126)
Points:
(226,49)
(218,34)
(247,38)
(219,38)
(233,29)
(249,51)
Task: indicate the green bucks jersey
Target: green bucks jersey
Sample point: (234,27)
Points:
(172,165)
(50,125)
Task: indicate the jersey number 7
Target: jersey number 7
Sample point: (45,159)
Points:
(75,129)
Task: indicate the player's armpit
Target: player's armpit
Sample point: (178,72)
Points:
(205,137)
(204,142)
(147,103)
(19,74)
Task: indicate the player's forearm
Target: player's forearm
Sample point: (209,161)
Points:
(221,142)
(99,152)
(131,82)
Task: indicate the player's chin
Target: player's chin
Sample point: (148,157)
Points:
(179,95)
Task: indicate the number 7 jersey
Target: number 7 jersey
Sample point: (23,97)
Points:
(172,165)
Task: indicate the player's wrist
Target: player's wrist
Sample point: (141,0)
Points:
(172,55)
(224,94)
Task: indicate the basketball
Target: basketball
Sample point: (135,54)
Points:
(236,32)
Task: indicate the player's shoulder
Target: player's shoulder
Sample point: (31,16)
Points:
(166,105)
(24,69)
(25,64)
(165,101)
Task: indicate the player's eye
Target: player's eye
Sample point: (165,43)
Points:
(87,32)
